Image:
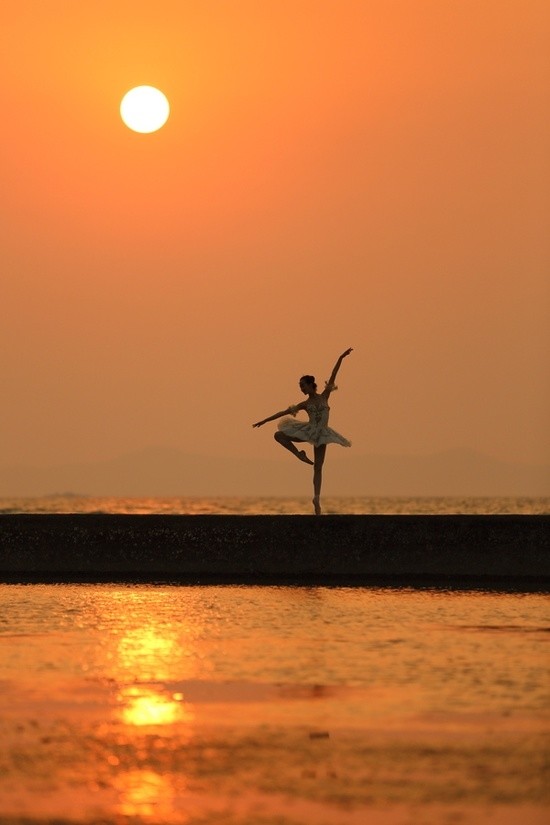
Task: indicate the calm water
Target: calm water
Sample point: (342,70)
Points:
(184,705)
(368,652)
(252,506)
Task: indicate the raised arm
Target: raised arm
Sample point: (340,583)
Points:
(288,411)
(334,372)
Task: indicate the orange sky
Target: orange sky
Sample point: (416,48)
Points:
(356,173)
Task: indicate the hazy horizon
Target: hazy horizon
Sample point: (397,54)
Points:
(164,471)
(369,174)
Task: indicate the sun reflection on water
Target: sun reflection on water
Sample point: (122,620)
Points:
(145,793)
(148,653)
(149,657)
(145,705)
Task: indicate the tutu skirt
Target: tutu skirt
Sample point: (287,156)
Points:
(306,431)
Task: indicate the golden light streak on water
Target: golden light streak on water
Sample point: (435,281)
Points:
(148,653)
(142,706)
(146,794)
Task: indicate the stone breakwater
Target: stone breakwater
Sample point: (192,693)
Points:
(347,549)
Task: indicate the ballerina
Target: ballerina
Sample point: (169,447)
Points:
(315,431)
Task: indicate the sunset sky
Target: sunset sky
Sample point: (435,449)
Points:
(364,173)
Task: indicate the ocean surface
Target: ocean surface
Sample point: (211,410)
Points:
(68,503)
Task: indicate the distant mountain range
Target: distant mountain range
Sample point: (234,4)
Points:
(160,471)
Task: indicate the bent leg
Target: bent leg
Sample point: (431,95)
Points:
(288,443)
(319,456)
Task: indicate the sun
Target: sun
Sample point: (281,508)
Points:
(144,109)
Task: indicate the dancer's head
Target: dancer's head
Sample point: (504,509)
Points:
(307,384)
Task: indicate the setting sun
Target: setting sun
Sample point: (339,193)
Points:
(144,109)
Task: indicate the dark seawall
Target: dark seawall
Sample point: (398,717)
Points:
(348,549)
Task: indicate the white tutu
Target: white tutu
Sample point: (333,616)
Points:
(311,432)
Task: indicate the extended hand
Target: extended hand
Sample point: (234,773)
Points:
(347,352)
(258,423)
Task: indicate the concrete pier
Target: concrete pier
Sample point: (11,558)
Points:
(456,549)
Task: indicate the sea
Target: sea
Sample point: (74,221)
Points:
(256,705)
(250,505)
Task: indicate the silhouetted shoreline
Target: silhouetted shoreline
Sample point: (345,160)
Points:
(457,550)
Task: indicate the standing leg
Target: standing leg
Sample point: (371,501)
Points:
(319,458)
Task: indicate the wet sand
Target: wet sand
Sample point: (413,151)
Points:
(159,705)
(238,766)
(239,754)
